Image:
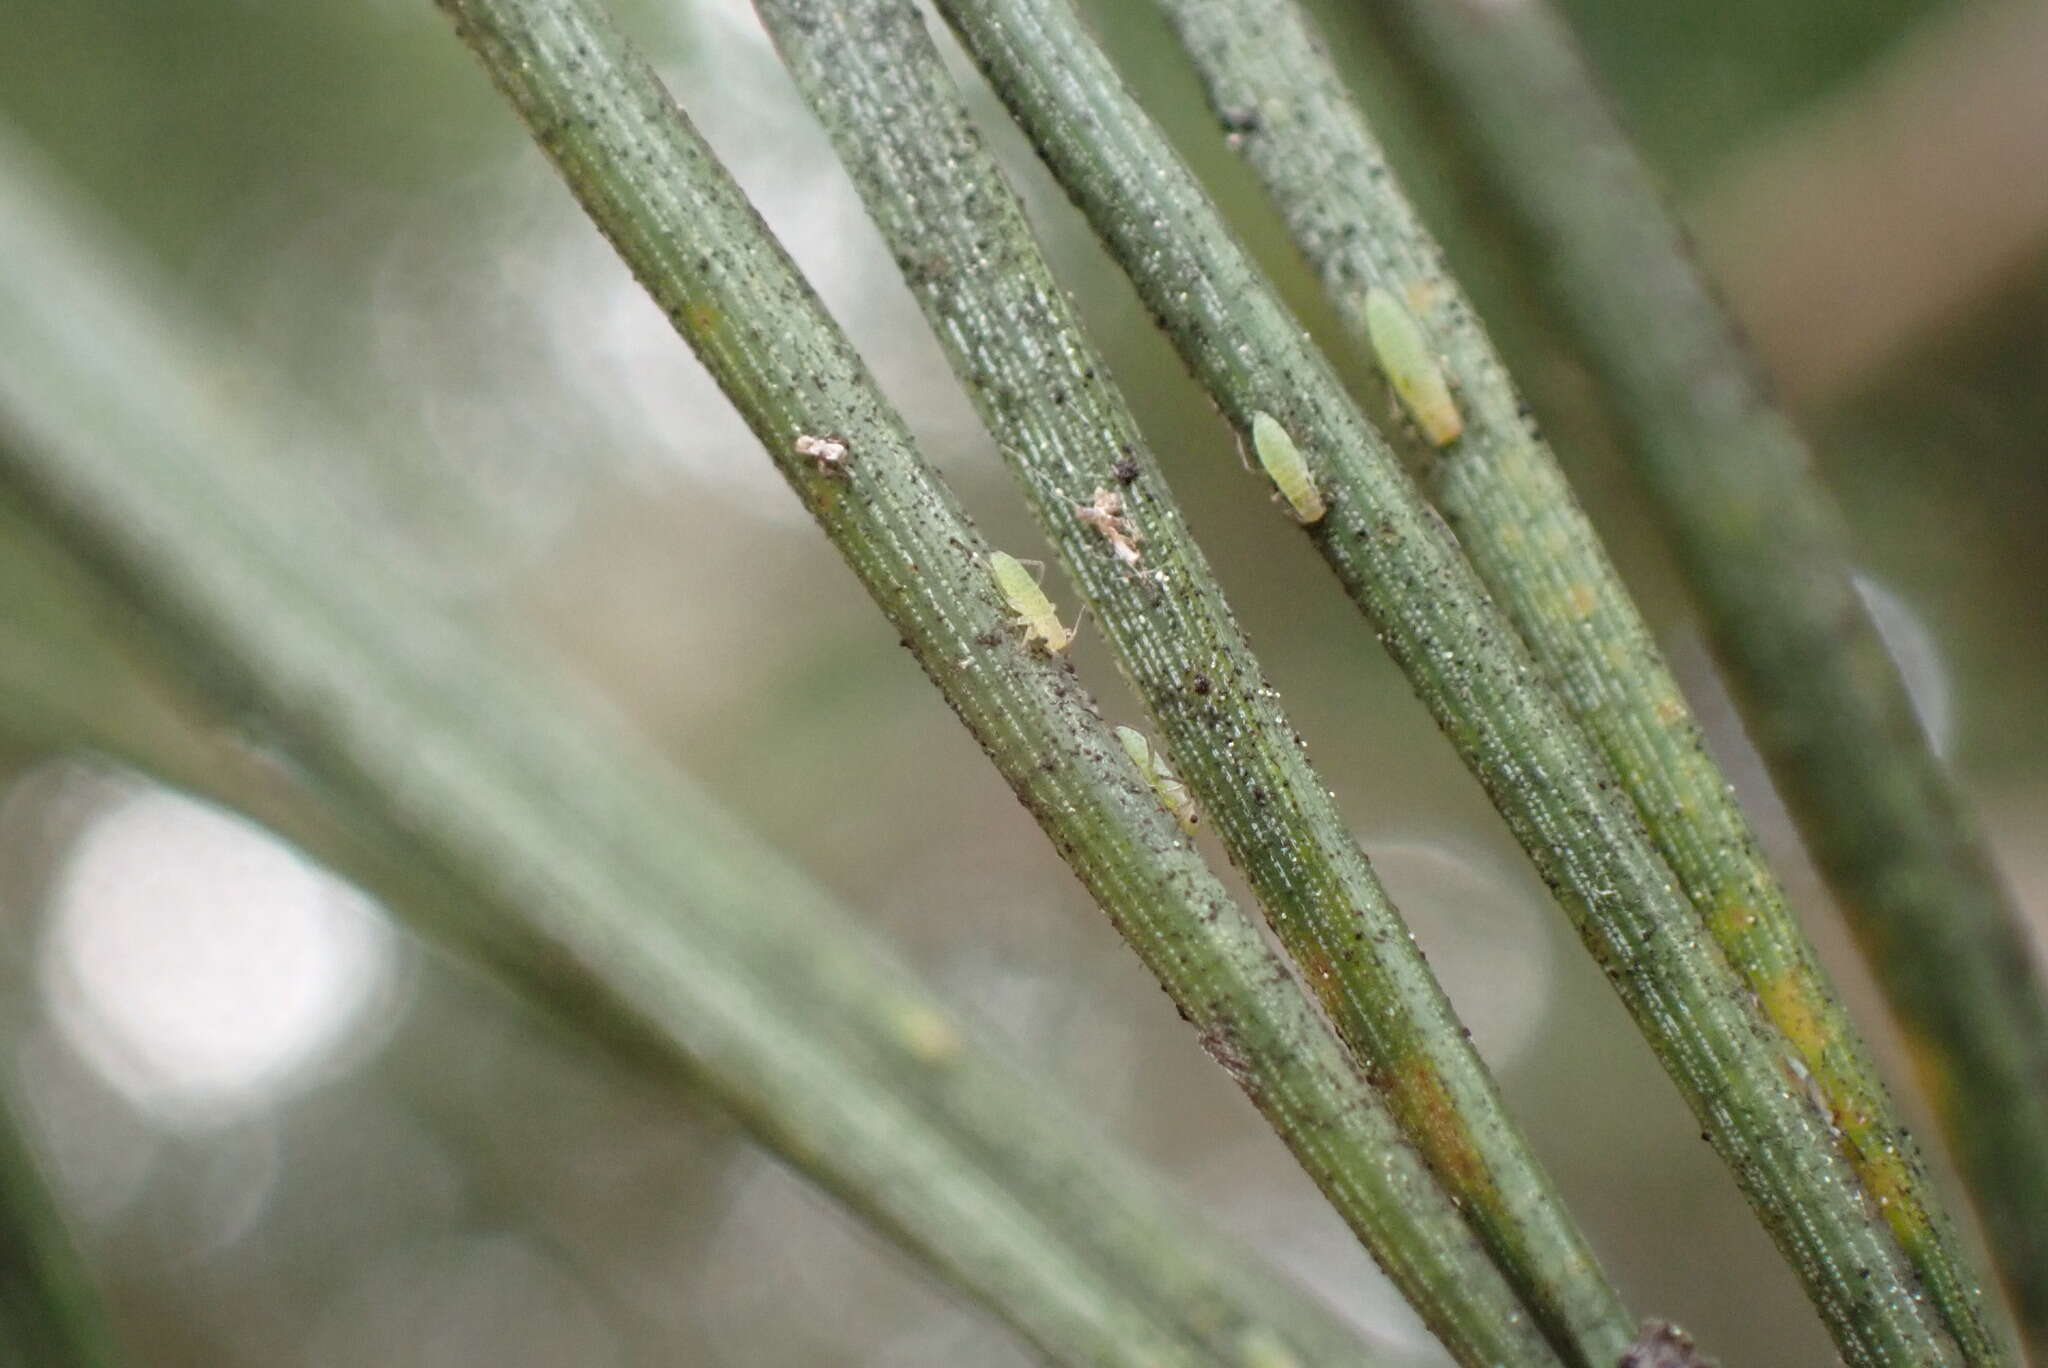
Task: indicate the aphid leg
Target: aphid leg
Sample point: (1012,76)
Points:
(1243,457)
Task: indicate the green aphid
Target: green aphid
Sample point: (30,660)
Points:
(1412,367)
(1283,462)
(1173,794)
(1034,610)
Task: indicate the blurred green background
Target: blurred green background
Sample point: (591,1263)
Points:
(291,1137)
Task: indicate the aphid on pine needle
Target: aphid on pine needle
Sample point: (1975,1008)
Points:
(1663,1345)
(829,454)
(1105,513)
(1034,610)
(1283,462)
(1172,793)
(1412,367)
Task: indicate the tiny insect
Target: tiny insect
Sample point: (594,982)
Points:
(1173,794)
(1412,367)
(1282,460)
(1662,1345)
(1105,513)
(1033,609)
(829,453)
(1239,123)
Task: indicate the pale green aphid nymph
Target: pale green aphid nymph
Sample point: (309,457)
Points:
(1282,460)
(1034,610)
(1172,793)
(1412,367)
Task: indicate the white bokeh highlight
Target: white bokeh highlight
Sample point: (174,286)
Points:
(202,967)
(1921,666)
